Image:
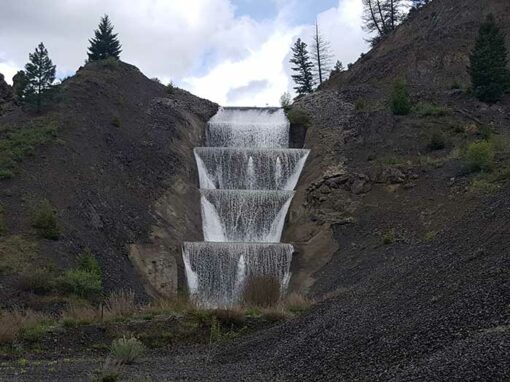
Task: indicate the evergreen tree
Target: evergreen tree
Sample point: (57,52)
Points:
(303,67)
(490,76)
(321,56)
(40,74)
(339,67)
(20,84)
(105,43)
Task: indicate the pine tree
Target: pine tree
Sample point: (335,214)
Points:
(105,43)
(20,84)
(321,56)
(303,67)
(339,67)
(490,76)
(40,74)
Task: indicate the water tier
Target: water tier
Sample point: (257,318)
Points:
(244,216)
(249,169)
(251,128)
(217,272)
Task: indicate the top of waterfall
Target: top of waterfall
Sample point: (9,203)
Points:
(250,115)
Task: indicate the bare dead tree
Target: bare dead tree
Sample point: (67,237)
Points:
(321,56)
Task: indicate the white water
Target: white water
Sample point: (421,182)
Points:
(249,169)
(221,268)
(246,175)
(244,216)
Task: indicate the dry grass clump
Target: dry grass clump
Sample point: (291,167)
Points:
(261,291)
(120,304)
(231,316)
(12,323)
(178,304)
(296,302)
(80,315)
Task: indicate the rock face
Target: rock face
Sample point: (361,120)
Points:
(123,178)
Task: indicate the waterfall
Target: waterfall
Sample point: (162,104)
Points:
(247,176)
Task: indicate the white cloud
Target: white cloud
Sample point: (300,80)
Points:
(200,44)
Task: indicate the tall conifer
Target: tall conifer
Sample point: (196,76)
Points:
(490,76)
(105,43)
(40,74)
(303,67)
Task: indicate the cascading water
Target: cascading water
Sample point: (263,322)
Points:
(246,175)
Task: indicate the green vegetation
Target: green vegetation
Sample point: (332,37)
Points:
(18,143)
(360,104)
(298,117)
(490,76)
(16,254)
(44,220)
(430,235)
(426,109)
(3,225)
(38,281)
(286,101)
(84,281)
(389,237)
(302,67)
(400,103)
(127,350)
(116,122)
(170,88)
(479,156)
(437,141)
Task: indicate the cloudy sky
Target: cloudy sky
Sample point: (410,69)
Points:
(234,52)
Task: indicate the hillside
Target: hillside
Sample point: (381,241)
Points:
(116,165)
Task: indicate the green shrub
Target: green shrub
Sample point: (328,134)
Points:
(360,104)
(80,283)
(44,220)
(437,141)
(298,117)
(3,226)
(116,122)
(286,101)
(426,109)
(127,350)
(84,281)
(389,237)
(400,102)
(89,263)
(6,174)
(170,88)
(479,156)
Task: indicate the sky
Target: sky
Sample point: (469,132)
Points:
(234,52)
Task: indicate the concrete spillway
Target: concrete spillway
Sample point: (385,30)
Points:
(247,175)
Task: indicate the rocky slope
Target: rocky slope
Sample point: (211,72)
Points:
(120,174)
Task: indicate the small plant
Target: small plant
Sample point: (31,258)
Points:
(81,283)
(479,156)
(437,141)
(16,323)
(426,109)
(76,315)
(261,291)
(286,100)
(456,85)
(400,102)
(430,236)
(126,350)
(296,303)
(298,117)
(170,88)
(3,226)
(360,104)
(389,237)
(116,122)
(111,371)
(44,220)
